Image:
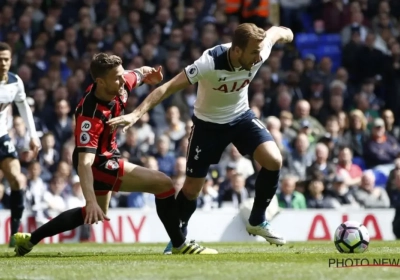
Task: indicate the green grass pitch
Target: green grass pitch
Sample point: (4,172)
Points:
(305,260)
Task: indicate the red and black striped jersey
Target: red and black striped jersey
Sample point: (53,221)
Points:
(92,133)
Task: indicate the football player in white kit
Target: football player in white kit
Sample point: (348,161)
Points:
(12,90)
(222,116)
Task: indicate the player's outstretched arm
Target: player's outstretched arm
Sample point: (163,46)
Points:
(177,83)
(280,34)
(94,213)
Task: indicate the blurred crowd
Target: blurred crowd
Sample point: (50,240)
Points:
(335,126)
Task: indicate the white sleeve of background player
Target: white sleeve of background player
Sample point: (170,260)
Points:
(200,68)
(24,109)
(266,51)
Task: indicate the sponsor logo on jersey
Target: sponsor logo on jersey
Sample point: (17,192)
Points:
(112,165)
(86,126)
(233,87)
(84,138)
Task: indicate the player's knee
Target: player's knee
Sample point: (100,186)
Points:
(17,182)
(192,189)
(270,157)
(190,194)
(275,161)
(164,182)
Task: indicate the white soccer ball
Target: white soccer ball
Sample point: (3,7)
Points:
(351,237)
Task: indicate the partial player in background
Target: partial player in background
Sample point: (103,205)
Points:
(98,162)
(12,90)
(222,116)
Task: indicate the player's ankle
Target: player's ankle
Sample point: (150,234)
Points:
(181,246)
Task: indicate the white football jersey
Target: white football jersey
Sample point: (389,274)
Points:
(222,89)
(12,90)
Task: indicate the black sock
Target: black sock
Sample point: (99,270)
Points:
(266,185)
(186,208)
(17,209)
(168,213)
(66,221)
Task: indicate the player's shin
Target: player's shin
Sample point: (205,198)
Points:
(66,221)
(186,208)
(17,209)
(266,186)
(168,213)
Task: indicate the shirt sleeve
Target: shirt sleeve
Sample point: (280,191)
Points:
(132,79)
(87,134)
(200,68)
(24,109)
(266,51)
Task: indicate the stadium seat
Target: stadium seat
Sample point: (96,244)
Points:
(360,162)
(380,178)
(306,40)
(330,39)
(329,50)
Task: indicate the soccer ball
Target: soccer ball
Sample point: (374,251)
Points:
(351,237)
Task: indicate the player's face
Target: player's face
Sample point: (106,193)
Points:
(115,81)
(5,61)
(251,55)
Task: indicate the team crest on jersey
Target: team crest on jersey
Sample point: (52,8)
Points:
(193,71)
(112,165)
(84,138)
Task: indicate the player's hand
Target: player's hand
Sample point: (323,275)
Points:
(125,120)
(153,76)
(35,146)
(94,214)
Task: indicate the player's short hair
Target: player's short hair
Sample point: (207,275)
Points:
(4,47)
(246,31)
(102,63)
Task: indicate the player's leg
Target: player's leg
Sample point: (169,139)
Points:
(66,221)
(12,172)
(254,139)
(206,145)
(139,179)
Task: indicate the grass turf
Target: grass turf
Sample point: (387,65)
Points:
(305,260)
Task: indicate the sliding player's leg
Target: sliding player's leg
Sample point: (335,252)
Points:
(105,177)
(139,179)
(66,221)
(255,140)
